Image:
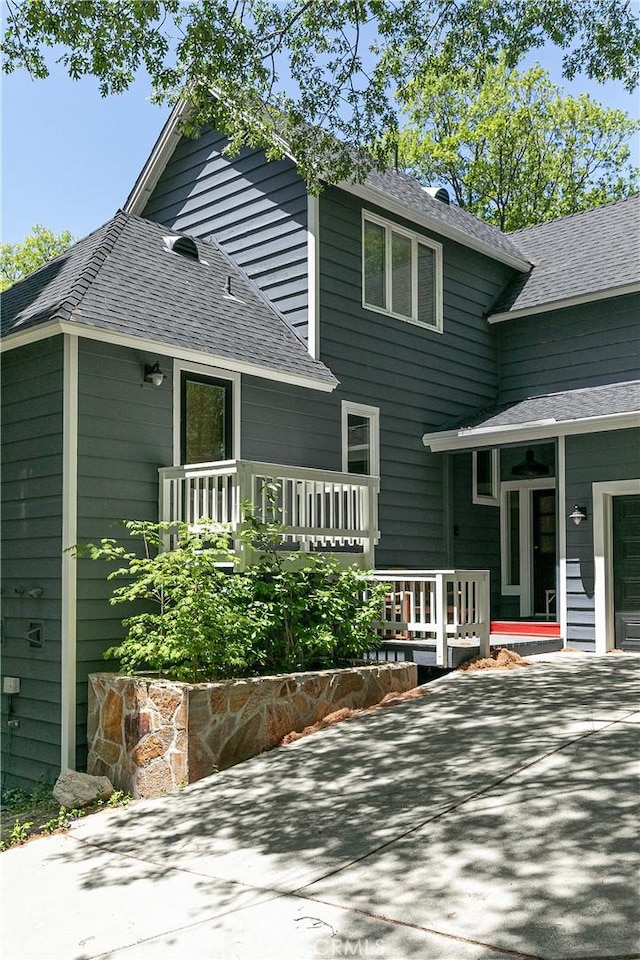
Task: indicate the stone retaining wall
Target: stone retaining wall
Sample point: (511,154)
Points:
(153,736)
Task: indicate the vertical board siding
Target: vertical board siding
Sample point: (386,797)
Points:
(417,377)
(591,458)
(125,431)
(256,209)
(585,346)
(32,384)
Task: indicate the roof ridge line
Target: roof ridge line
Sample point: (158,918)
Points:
(94,264)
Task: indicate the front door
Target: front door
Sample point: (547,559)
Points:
(626,571)
(543,518)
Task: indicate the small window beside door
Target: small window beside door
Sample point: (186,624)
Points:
(486,477)
(360,439)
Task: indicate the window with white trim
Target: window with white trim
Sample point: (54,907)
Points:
(401,272)
(360,439)
(485,477)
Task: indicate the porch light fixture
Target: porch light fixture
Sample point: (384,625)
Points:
(579,514)
(529,468)
(153,374)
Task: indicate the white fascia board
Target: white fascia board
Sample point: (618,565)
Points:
(578,301)
(195,356)
(400,209)
(23,337)
(76,329)
(158,159)
(523,433)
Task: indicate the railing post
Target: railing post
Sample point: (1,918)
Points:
(441,620)
(484,601)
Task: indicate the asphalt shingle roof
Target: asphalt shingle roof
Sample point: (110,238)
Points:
(400,186)
(564,406)
(122,278)
(582,254)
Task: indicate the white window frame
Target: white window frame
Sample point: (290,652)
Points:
(390,227)
(216,373)
(524,589)
(493,499)
(373,415)
(603,493)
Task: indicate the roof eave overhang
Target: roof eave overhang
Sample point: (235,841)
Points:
(471,437)
(63,326)
(381,199)
(606,294)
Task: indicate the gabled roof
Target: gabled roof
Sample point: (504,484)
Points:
(586,256)
(607,407)
(124,279)
(389,189)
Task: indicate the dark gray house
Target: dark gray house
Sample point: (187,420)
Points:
(430,393)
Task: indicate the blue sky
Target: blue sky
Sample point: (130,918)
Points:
(70,157)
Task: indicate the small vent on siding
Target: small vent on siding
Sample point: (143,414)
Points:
(184,246)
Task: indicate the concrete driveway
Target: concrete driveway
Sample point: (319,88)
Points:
(497,817)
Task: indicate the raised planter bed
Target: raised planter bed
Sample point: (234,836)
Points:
(152,736)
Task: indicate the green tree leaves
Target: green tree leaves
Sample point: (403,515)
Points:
(296,74)
(17,260)
(512,149)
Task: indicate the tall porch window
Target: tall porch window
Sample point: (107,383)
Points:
(206,419)
(486,477)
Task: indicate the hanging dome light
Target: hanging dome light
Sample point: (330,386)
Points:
(529,468)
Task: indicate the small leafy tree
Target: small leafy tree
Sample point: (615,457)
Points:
(206,623)
(17,260)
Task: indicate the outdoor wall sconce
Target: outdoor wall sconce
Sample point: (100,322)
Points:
(579,514)
(153,374)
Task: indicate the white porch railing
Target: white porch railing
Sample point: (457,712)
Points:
(321,509)
(433,607)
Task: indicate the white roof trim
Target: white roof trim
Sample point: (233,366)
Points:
(172,131)
(54,327)
(472,437)
(158,159)
(605,294)
(381,199)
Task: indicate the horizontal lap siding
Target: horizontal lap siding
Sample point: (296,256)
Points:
(582,346)
(32,442)
(124,436)
(476,528)
(256,209)
(591,458)
(417,377)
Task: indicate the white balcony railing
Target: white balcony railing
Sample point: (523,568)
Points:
(428,607)
(321,509)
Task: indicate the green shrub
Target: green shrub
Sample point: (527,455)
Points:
(206,623)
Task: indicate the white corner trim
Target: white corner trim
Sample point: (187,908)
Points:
(69,563)
(522,433)
(606,294)
(399,209)
(313,275)
(217,373)
(603,493)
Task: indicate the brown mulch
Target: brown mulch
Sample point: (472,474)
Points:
(348,713)
(500,659)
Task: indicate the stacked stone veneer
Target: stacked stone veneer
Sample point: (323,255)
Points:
(152,736)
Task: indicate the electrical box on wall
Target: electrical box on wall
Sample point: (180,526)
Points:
(11,685)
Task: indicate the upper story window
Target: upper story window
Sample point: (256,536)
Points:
(401,272)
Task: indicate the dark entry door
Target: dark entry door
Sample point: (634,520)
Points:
(544,550)
(626,571)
